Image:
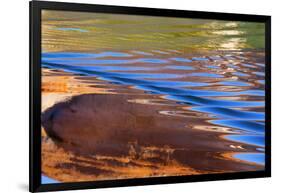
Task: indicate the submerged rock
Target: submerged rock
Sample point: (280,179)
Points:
(115,126)
(97,123)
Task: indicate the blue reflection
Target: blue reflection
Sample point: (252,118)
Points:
(234,83)
(181,59)
(162,83)
(249,65)
(251,126)
(180,67)
(257,140)
(148,75)
(260,64)
(71,55)
(71,29)
(253,92)
(150,60)
(47,180)
(161,90)
(200,59)
(212,66)
(258,158)
(119,68)
(196,100)
(227,112)
(202,74)
(260,149)
(68,61)
(193,92)
(259,73)
(87,62)
(240,74)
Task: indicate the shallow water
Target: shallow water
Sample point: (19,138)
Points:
(209,71)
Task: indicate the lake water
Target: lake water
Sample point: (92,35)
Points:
(207,73)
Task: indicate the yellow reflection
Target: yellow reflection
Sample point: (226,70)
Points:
(228,32)
(233,44)
(231,24)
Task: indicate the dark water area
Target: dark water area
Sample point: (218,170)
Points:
(210,72)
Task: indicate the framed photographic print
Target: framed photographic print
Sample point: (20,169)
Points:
(123,96)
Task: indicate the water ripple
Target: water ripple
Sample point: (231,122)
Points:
(222,89)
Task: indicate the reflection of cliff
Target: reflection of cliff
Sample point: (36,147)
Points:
(65,83)
(116,138)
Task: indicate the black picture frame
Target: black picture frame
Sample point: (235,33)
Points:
(35,94)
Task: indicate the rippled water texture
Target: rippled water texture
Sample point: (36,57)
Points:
(137,96)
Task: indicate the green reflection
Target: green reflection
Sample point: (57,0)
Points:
(91,32)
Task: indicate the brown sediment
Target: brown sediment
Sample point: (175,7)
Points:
(126,138)
(67,166)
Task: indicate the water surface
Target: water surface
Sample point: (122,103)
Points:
(201,75)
